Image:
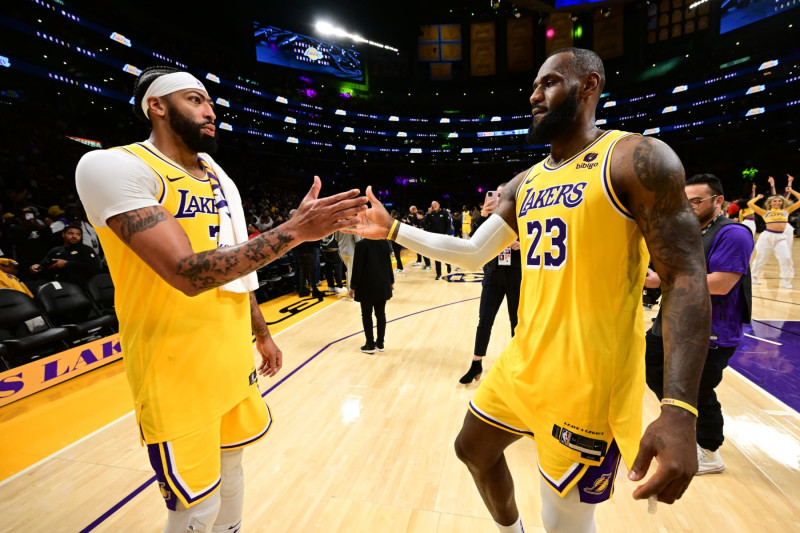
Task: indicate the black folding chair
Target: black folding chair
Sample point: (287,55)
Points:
(68,306)
(20,344)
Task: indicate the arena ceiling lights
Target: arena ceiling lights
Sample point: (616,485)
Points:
(328,29)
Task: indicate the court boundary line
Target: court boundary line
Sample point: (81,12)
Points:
(62,450)
(130,496)
(129,413)
(763,391)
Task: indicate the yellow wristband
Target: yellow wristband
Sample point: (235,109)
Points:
(391,230)
(678,403)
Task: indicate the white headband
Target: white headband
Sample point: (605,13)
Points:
(169,83)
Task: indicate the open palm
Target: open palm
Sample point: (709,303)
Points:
(375,222)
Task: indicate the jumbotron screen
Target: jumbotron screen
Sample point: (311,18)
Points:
(738,13)
(288,49)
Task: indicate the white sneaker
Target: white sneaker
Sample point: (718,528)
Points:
(398,270)
(786,284)
(755,281)
(709,462)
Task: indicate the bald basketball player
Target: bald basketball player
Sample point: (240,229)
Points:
(573,375)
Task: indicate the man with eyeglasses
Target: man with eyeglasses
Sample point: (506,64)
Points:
(728,246)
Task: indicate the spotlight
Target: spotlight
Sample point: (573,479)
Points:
(573,17)
(605,11)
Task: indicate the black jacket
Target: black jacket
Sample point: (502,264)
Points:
(438,222)
(82,264)
(372,277)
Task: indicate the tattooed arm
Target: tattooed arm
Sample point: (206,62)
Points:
(649,178)
(159,240)
(271,355)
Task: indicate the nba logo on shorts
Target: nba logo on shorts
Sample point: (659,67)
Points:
(565,435)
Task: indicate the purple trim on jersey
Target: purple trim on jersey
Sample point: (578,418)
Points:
(163,181)
(571,159)
(253,439)
(155,452)
(597,484)
(170,163)
(773,231)
(606,177)
(560,487)
(488,419)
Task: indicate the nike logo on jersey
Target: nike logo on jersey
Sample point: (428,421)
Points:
(175,179)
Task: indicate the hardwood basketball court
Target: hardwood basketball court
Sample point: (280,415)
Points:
(363,443)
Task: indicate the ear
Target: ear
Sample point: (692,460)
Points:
(590,84)
(157,106)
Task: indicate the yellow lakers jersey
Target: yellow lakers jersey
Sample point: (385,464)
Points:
(188,359)
(576,361)
(776,215)
(744,213)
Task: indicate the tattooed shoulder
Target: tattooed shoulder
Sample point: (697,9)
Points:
(139,220)
(656,166)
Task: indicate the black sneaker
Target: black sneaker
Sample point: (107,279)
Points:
(379,346)
(368,348)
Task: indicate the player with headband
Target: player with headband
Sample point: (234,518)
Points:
(172,226)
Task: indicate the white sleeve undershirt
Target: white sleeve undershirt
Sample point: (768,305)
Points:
(111,182)
(491,238)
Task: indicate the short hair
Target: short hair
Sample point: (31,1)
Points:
(74,226)
(143,82)
(707,179)
(584,63)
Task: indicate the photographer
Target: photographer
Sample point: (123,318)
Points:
(72,263)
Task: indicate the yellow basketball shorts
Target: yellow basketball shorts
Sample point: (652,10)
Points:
(188,468)
(595,482)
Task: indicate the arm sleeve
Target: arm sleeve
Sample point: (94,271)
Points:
(111,182)
(488,241)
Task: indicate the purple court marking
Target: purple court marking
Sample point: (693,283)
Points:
(118,506)
(776,369)
(102,518)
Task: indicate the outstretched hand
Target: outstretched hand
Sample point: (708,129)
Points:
(670,439)
(374,223)
(316,217)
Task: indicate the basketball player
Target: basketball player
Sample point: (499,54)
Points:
(572,375)
(775,238)
(173,229)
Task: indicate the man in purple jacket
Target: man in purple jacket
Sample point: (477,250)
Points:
(728,246)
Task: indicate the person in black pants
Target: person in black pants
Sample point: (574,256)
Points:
(333,264)
(372,283)
(501,279)
(414,218)
(438,221)
(308,256)
(728,246)
(396,248)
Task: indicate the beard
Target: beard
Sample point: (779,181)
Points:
(555,122)
(191,133)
